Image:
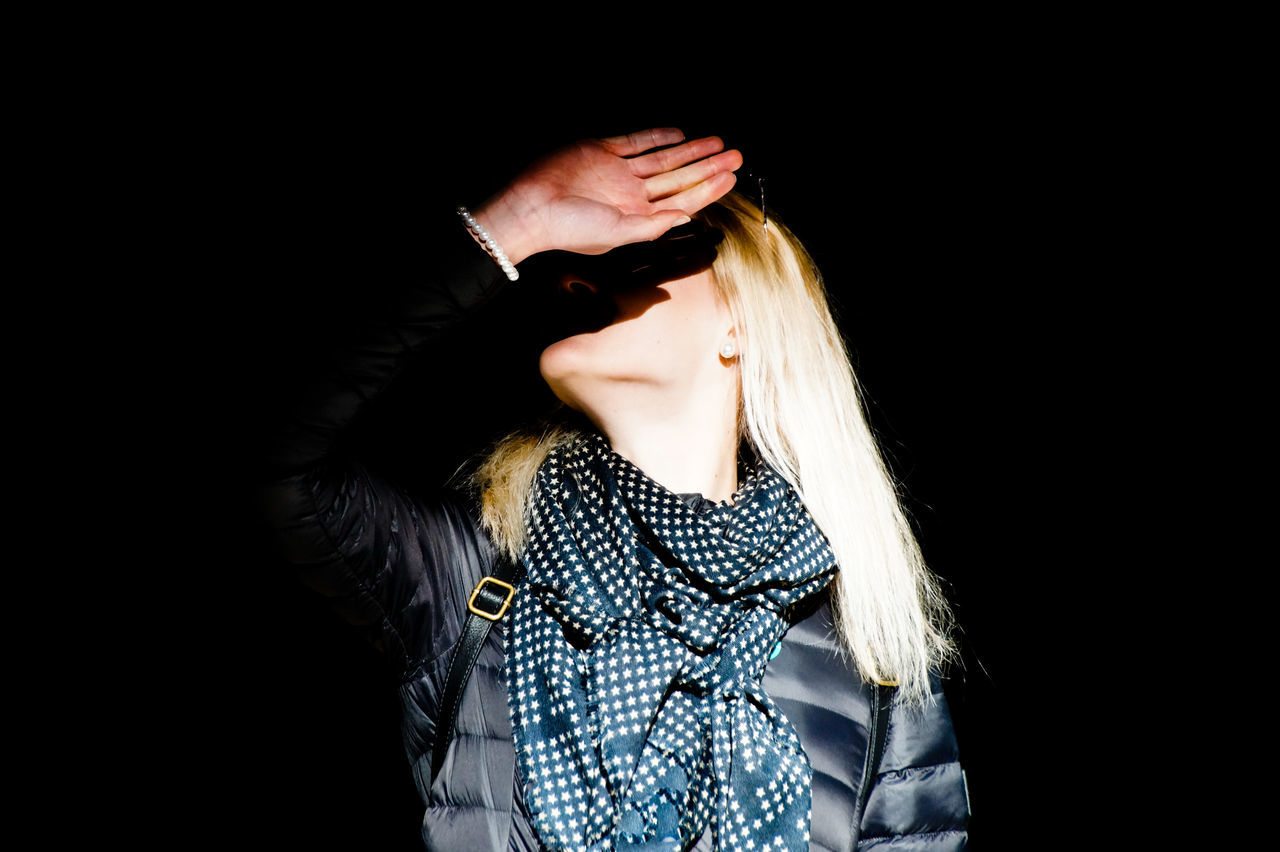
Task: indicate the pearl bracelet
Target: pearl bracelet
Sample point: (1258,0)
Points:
(490,244)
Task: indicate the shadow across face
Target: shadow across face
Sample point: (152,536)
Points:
(577,294)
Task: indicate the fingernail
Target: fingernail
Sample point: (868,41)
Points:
(683,220)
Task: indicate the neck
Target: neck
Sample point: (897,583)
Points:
(687,448)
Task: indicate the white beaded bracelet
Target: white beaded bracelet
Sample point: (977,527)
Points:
(490,244)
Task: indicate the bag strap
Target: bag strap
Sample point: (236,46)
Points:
(878,736)
(489,601)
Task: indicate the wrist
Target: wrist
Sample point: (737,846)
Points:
(506,224)
(489,243)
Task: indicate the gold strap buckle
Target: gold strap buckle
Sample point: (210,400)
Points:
(492,616)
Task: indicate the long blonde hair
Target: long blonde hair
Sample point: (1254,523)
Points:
(802,412)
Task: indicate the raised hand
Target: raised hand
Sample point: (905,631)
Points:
(598,194)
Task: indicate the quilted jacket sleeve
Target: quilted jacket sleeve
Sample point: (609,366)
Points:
(919,801)
(383,559)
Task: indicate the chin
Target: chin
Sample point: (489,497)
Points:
(583,372)
(557,366)
(558,358)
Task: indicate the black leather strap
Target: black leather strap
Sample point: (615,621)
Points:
(878,736)
(489,597)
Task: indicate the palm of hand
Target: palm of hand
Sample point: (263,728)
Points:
(583,194)
(597,194)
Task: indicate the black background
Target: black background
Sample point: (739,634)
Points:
(955,218)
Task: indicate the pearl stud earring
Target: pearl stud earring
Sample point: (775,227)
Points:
(728,350)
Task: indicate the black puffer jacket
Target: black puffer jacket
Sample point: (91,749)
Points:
(401,566)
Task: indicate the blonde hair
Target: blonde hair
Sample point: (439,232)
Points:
(801,410)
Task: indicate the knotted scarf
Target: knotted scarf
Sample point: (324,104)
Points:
(638,640)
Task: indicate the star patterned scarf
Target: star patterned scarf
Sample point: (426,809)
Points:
(639,636)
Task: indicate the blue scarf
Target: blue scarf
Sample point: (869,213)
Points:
(638,640)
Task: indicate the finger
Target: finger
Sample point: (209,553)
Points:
(696,197)
(670,183)
(641,141)
(670,159)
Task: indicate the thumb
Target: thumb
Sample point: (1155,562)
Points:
(655,224)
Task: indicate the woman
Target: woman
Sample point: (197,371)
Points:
(704,508)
